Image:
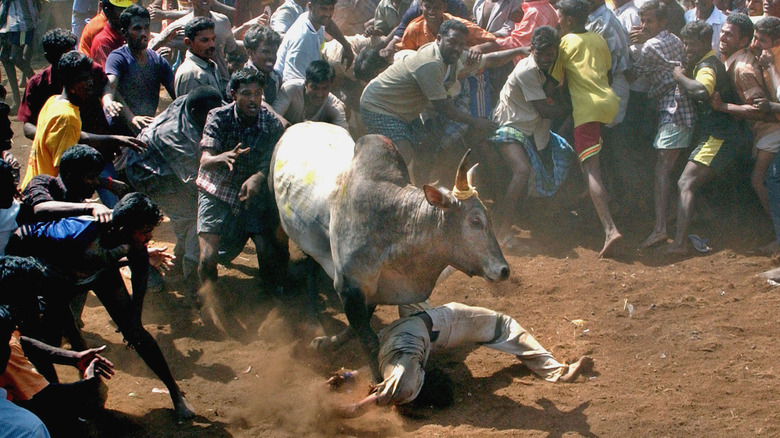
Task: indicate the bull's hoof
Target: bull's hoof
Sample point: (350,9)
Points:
(320,344)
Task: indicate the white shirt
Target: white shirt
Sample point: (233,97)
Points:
(8,224)
(301,45)
(716,20)
(628,14)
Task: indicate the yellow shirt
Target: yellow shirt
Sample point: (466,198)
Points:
(59,127)
(584,60)
(706,75)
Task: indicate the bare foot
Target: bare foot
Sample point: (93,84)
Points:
(655,238)
(676,249)
(183,409)
(211,309)
(575,369)
(609,244)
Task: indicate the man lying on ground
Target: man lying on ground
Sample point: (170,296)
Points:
(406,344)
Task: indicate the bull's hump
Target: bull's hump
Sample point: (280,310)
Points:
(378,159)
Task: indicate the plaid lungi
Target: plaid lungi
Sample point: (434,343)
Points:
(551,164)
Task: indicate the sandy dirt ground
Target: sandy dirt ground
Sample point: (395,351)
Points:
(682,347)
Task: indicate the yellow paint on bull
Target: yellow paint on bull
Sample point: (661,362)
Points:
(287,209)
(308,178)
(279,164)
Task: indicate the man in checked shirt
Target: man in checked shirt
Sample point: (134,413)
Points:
(661,52)
(234,202)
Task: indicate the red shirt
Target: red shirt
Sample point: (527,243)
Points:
(536,13)
(104,43)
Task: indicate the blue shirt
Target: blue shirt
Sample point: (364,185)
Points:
(140,86)
(285,16)
(16,422)
(301,45)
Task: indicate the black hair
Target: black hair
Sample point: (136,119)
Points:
(368,63)
(238,56)
(7,178)
(437,390)
(544,37)
(202,99)
(108,7)
(769,26)
(56,43)
(247,75)
(198,24)
(80,160)
(697,30)
(577,9)
(7,327)
(743,23)
(21,280)
(132,11)
(72,66)
(257,34)
(136,211)
(455,25)
(319,71)
(659,8)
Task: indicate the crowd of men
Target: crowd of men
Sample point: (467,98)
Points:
(540,84)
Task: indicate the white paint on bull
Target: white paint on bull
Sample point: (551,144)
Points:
(307,150)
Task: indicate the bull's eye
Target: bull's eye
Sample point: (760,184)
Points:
(477,223)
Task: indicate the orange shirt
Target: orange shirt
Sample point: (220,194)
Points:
(92,28)
(21,380)
(417,33)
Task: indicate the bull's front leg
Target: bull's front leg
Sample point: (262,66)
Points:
(359,317)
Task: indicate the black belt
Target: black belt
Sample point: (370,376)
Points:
(428,324)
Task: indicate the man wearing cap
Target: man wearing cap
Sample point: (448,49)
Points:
(110,37)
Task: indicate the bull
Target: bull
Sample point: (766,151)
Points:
(382,240)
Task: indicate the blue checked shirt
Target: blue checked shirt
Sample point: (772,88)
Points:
(223,131)
(604,22)
(659,56)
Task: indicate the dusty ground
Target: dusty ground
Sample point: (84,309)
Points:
(695,358)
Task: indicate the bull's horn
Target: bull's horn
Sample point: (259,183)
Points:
(461,178)
(470,175)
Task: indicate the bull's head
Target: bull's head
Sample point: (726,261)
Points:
(471,242)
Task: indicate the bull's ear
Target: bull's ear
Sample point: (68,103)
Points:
(437,197)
